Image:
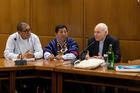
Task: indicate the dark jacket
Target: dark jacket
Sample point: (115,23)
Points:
(94,48)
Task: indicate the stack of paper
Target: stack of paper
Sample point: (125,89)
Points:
(128,68)
(28,60)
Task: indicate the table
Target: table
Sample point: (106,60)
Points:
(63,71)
(42,69)
(99,76)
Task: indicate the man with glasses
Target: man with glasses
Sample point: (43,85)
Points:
(23,44)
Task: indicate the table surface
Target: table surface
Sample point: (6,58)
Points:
(66,67)
(100,71)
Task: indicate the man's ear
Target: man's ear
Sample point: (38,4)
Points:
(56,34)
(18,32)
(67,32)
(106,32)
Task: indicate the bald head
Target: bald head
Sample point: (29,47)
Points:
(102,26)
(100,31)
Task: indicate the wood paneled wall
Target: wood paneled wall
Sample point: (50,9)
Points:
(46,14)
(123,20)
(11,13)
(81,16)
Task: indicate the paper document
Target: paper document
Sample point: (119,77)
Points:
(28,60)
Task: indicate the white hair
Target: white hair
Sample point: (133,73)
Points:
(103,25)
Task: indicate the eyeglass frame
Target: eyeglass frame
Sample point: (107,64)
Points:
(27,30)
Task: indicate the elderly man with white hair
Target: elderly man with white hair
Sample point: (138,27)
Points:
(98,44)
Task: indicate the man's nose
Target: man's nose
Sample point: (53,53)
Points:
(63,33)
(95,34)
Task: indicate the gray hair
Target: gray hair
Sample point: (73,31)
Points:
(103,25)
(20,26)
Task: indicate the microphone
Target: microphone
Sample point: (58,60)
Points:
(84,52)
(75,61)
(88,46)
(18,45)
(20,61)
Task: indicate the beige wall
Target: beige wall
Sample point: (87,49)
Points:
(122,17)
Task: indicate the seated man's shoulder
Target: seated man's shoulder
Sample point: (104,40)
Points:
(70,40)
(91,38)
(34,35)
(13,36)
(52,43)
(113,38)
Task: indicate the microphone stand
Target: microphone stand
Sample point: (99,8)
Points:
(84,52)
(21,61)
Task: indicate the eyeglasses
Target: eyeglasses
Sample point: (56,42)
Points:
(26,31)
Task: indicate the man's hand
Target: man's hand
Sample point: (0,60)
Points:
(51,57)
(28,54)
(99,56)
(87,55)
(59,57)
(94,57)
